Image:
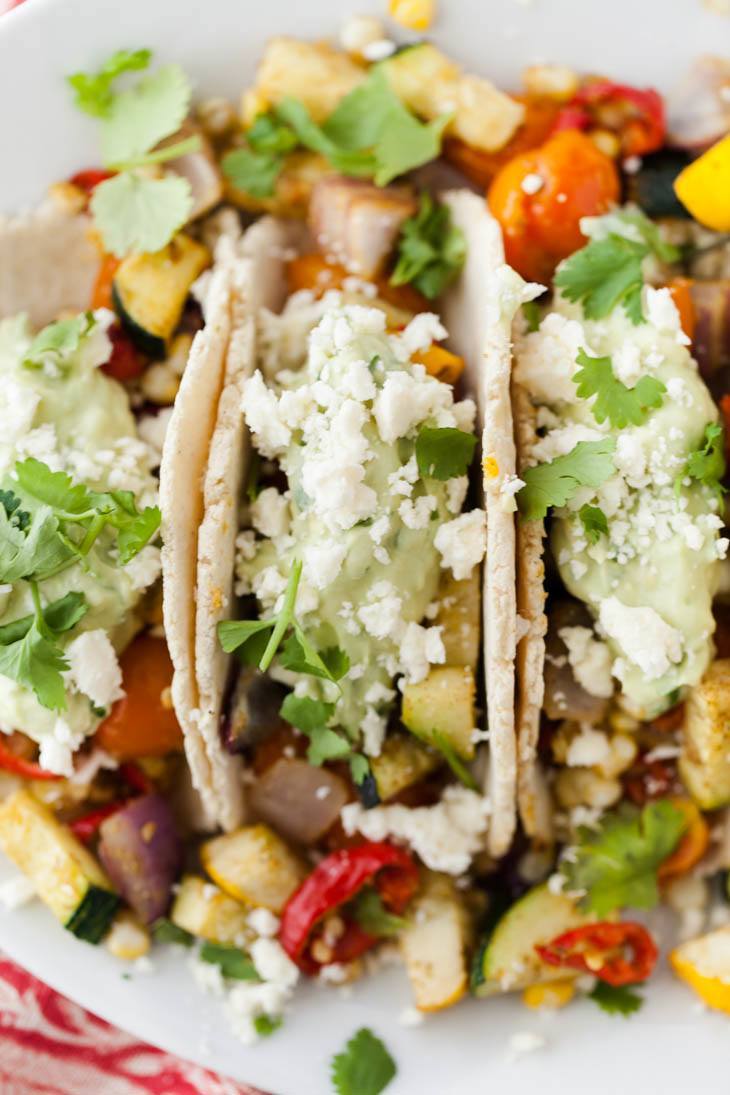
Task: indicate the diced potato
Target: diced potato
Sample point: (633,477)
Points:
(302,170)
(402,762)
(435,943)
(254,865)
(432,85)
(203,910)
(459,615)
(443,703)
(312,72)
(705,761)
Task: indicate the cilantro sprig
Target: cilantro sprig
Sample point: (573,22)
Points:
(431,250)
(232,961)
(608,271)
(622,406)
(616,866)
(444,452)
(616,999)
(370,134)
(132,211)
(55,344)
(553,484)
(312,717)
(706,464)
(594,522)
(363,1067)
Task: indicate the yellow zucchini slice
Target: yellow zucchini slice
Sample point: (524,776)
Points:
(254,865)
(443,703)
(203,910)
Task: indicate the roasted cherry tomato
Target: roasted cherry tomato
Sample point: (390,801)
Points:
(540,197)
(540,119)
(619,954)
(20,766)
(89,179)
(334,882)
(142,723)
(635,115)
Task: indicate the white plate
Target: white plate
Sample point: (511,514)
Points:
(670,1045)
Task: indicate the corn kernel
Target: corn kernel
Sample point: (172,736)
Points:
(555,994)
(128,938)
(490,467)
(606,142)
(413,14)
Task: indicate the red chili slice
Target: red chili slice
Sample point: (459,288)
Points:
(619,954)
(28,769)
(89,179)
(86,826)
(635,114)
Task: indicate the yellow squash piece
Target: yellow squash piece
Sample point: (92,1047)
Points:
(704,964)
(443,704)
(705,761)
(402,762)
(434,945)
(203,910)
(704,187)
(254,865)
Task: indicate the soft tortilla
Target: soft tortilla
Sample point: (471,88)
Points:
(48,264)
(478,313)
(533,799)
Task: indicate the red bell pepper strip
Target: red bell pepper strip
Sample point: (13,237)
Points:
(86,826)
(136,778)
(89,179)
(601,949)
(637,115)
(336,881)
(28,769)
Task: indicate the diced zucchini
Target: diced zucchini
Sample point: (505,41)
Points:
(65,874)
(203,910)
(254,865)
(652,186)
(312,72)
(459,615)
(434,944)
(443,703)
(705,761)
(402,762)
(432,85)
(149,291)
(509,960)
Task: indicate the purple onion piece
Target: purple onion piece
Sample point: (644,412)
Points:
(142,853)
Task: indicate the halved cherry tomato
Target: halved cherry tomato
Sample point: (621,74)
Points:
(125,362)
(19,766)
(619,954)
(681,293)
(142,723)
(635,115)
(481,167)
(541,226)
(691,847)
(101,294)
(313,272)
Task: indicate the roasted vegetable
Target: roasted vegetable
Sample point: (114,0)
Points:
(459,617)
(431,85)
(254,865)
(435,943)
(401,762)
(440,363)
(711,336)
(199,168)
(314,273)
(65,875)
(705,761)
(618,954)
(253,709)
(312,72)
(142,853)
(128,938)
(356,223)
(704,964)
(704,187)
(298,800)
(443,703)
(205,911)
(301,172)
(150,291)
(652,186)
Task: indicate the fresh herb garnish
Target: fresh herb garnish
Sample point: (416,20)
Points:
(164,931)
(616,865)
(531,312)
(55,344)
(364,1067)
(589,464)
(616,999)
(431,250)
(454,762)
(18,518)
(707,463)
(608,271)
(266,1025)
(444,453)
(134,212)
(233,963)
(312,718)
(594,522)
(622,406)
(373,917)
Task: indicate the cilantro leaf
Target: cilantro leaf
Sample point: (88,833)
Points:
(37,663)
(616,999)
(707,463)
(235,635)
(94,89)
(305,713)
(19,518)
(59,616)
(136,214)
(135,532)
(444,453)
(594,521)
(431,250)
(360,769)
(347,161)
(326,744)
(454,761)
(53,488)
(299,655)
(266,1025)
(371,914)
(603,274)
(531,312)
(589,464)
(269,134)
(142,115)
(617,864)
(622,406)
(254,172)
(57,342)
(233,963)
(36,551)
(632,223)
(364,1067)
(164,931)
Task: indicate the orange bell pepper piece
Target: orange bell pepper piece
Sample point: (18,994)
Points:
(691,847)
(314,273)
(681,292)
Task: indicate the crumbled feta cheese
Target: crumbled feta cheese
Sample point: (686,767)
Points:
(532,182)
(323,562)
(94,668)
(546,362)
(411,1017)
(419,648)
(152,428)
(379,50)
(462,543)
(381,617)
(590,660)
(526,1041)
(445,836)
(273,963)
(404,401)
(380,529)
(588,748)
(661,312)
(647,640)
(16,891)
(263,922)
(261,410)
(456,490)
(270,513)
(145,568)
(372,728)
(416,515)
